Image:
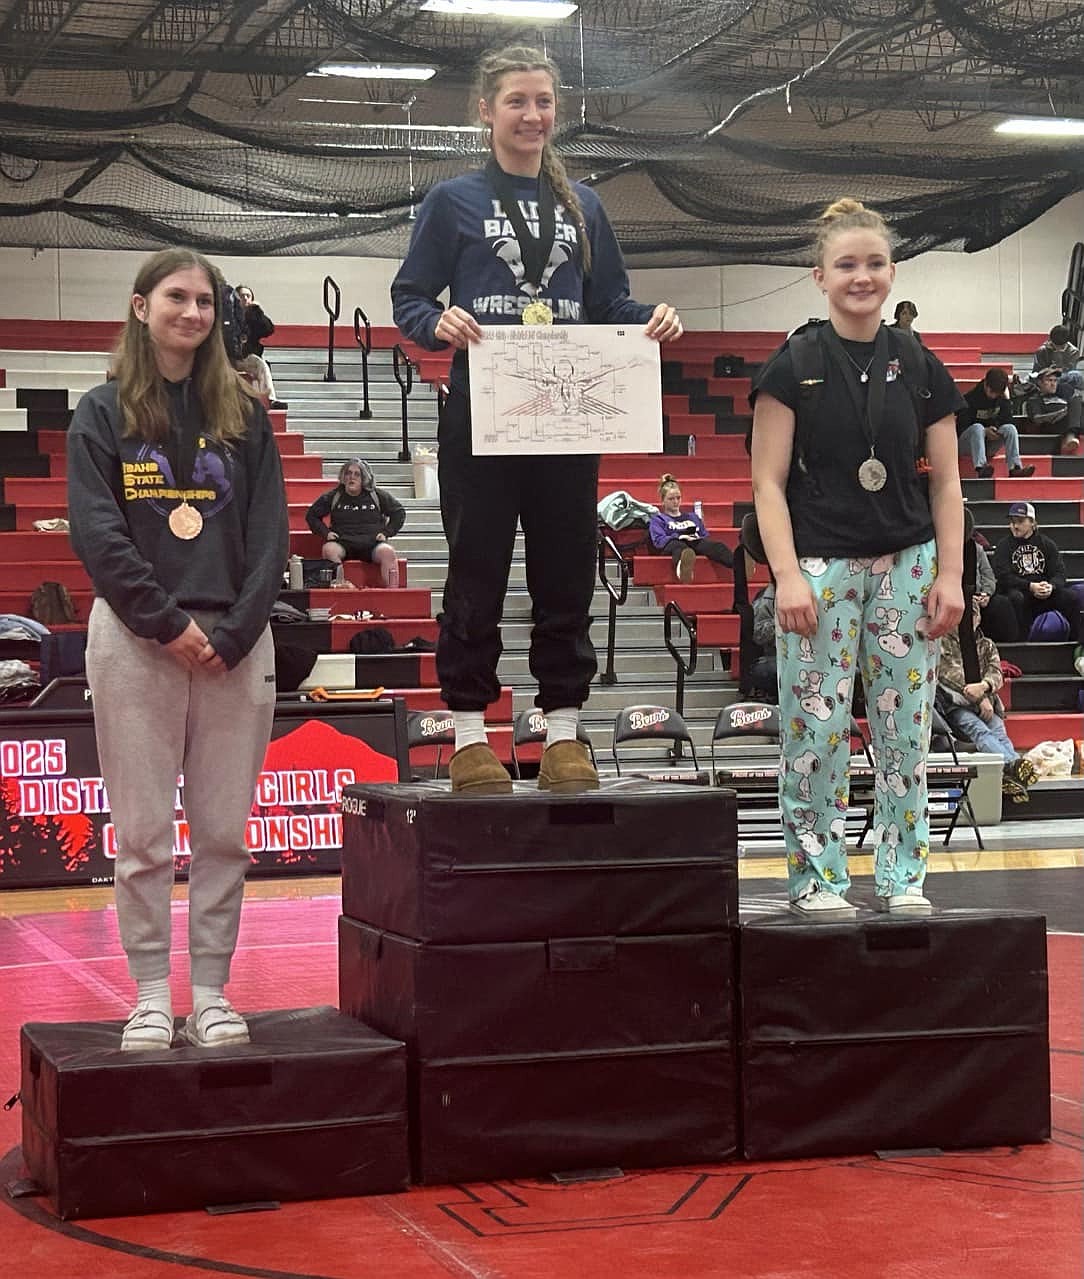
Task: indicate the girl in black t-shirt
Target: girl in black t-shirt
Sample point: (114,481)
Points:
(858,500)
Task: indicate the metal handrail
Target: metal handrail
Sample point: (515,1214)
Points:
(365,341)
(400,361)
(684,667)
(608,549)
(332,316)
(1072,298)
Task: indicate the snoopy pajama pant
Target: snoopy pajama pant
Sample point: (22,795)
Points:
(868,609)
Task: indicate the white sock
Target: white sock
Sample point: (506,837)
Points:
(155,994)
(561,724)
(470,727)
(204,995)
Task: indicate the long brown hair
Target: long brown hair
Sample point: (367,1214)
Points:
(494,66)
(847,215)
(225,399)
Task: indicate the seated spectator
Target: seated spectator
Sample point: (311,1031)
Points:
(683,537)
(1060,354)
(904,317)
(1031,575)
(995,610)
(363,519)
(763,675)
(985,424)
(1045,409)
(974,711)
(257,325)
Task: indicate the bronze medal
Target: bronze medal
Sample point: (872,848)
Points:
(872,475)
(185,522)
(537,312)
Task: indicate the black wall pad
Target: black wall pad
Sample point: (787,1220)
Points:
(314,1107)
(632,858)
(889,1034)
(531,1116)
(560,995)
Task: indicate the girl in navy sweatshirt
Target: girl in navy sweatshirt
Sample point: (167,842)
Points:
(515,242)
(178,512)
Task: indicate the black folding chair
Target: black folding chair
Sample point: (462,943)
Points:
(431,728)
(530,726)
(650,723)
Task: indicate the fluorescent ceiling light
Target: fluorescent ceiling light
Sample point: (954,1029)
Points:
(503,8)
(1042,127)
(373,71)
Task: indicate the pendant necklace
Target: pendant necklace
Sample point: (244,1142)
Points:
(863,373)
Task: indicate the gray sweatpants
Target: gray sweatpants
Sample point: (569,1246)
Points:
(154,719)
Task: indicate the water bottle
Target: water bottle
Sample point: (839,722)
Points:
(340,575)
(692,446)
(698,510)
(297,573)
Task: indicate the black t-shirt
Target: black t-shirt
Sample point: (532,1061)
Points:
(356,518)
(832,515)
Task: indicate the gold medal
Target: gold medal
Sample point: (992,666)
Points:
(185,522)
(872,475)
(537,312)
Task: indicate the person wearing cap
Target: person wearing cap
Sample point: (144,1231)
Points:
(1031,574)
(1060,354)
(1045,408)
(985,425)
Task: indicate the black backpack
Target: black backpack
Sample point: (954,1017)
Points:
(233,322)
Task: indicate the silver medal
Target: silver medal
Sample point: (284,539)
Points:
(872,475)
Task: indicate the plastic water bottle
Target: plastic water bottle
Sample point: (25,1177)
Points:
(698,510)
(692,446)
(297,573)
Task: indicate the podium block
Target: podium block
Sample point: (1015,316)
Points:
(893,1034)
(314,1107)
(630,859)
(559,995)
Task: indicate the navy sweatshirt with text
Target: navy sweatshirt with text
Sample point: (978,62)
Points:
(121,490)
(463,242)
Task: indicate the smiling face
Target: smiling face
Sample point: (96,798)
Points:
(856,276)
(521,114)
(179,313)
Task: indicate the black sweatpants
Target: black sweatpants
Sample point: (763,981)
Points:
(718,552)
(555,500)
(1027,608)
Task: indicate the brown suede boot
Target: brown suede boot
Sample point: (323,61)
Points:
(475,770)
(566,766)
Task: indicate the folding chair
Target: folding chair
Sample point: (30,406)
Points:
(431,728)
(530,726)
(755,783)
(650,723)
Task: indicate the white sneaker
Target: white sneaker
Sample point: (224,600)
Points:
(824,906)
(150,1027)
(215,1024)
(1079,664)
(910,903)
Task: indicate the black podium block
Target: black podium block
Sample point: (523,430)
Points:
(532,1115)
(633,858)
(889,1034)
(560,995)
(314,1107)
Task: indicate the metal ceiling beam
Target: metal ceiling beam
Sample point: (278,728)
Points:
(32,27)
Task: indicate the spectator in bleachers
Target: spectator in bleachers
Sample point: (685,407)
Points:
(1060,354)
(985,425)
(255,326)
(865,542)
(362,521)
(1030,573)
(764,677)
(1045,409)
(973,710)
(178,512)
(904,317)
(683,535)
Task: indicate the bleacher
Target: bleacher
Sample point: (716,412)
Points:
(703,397)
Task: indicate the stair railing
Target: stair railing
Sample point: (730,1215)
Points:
(685,665)
(1072,298)
(608,550)
(404,375)
(332,309)
(364,339)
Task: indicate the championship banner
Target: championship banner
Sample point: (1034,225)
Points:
(577,388)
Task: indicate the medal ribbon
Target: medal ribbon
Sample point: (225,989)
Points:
(535,252)
(870,413)
(181,448)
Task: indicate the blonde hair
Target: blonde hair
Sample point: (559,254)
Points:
(847,215)
(667,482)
(492,69)
(226,401)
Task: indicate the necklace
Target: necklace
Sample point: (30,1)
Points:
(863,373)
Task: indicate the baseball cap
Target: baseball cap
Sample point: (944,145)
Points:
(1021,509)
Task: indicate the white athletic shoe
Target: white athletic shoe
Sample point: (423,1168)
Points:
(822,906)
(909,903)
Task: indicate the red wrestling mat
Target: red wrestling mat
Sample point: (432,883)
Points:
(972,1215)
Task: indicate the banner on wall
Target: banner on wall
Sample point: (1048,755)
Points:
(55,823)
